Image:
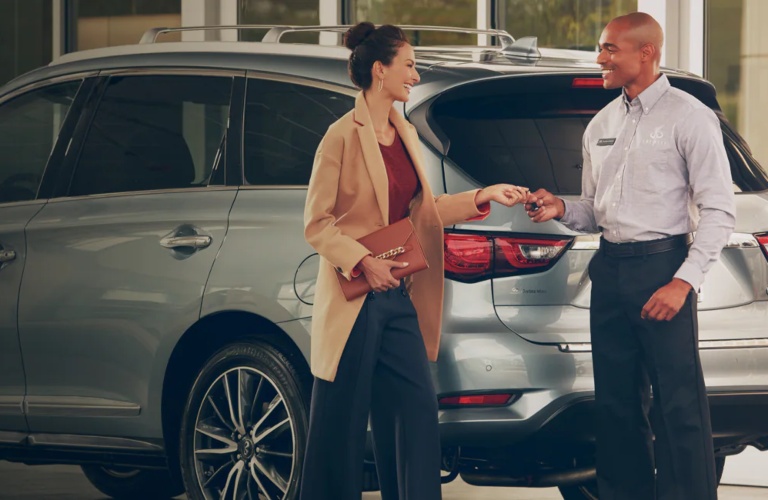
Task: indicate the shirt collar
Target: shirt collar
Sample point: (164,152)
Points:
(648,98)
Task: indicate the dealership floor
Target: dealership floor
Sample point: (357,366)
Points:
(64,482)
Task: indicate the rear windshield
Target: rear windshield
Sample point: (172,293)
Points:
(530,134)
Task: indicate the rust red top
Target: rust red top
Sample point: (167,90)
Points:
(403,183)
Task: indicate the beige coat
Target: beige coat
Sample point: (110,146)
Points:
(348,198)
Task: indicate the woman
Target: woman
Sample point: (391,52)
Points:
(370,353)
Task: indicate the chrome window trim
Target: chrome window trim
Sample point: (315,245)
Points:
(139,193)
(300,80)
(46,83)
(173,71)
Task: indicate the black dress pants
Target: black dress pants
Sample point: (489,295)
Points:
(630,355)
(384,371)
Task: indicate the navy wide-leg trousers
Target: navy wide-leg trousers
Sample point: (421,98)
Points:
(383,372)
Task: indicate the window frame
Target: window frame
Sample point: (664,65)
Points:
(291,80)
(83,126)
(55,159)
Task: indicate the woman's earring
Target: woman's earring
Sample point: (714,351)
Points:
(381,84)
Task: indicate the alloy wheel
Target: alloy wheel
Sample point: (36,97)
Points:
(245,439)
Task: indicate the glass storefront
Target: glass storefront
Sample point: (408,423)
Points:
(723,61)
(95,23)
(291,12)
(565,24)
(736,62)
(735,44)
(25,36)
(461,13)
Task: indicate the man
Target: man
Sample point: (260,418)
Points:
(654,163)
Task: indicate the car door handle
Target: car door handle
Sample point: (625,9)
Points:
(7,256)
(194,241)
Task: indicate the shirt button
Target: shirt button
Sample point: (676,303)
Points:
(626,148)
(613,204)
(634,121)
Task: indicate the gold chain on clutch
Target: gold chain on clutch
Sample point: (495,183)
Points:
(391,253)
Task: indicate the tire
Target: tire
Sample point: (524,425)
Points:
(588,491)
(128,484)
(244,427)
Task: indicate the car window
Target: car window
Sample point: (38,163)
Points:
(284,123)
(29,126)
(526,138)
(534,138)
(154,132)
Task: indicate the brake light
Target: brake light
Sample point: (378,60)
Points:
(477,400)
(587,83)
(470,258)
(763,240)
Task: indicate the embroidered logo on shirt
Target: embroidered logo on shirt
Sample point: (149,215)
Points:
(655,138)
(609,141)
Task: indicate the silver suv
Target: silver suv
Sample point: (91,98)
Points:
(156,290)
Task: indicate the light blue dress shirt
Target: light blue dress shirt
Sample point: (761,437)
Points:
(656,167)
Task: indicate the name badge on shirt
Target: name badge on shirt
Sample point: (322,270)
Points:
(606,141)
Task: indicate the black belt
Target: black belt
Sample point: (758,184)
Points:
(640,248)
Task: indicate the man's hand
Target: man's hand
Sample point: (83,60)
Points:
(667,301)
(506,194)
(378,272)
(543,206)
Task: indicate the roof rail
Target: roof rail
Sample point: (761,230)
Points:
(275,32)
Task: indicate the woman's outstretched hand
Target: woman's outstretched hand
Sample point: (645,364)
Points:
(506,194)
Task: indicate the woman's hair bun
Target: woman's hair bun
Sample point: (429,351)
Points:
(357,34)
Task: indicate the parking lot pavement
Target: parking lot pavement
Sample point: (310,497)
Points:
(66,482)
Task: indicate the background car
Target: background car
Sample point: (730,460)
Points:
(157,289)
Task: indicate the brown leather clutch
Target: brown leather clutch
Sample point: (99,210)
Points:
(397,242)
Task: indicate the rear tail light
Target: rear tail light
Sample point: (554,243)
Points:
(587,83)
(477,400)
(473,257)
(763,240)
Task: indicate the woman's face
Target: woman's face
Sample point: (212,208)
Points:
(401,75)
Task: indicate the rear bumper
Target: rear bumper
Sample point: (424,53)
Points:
(555,392)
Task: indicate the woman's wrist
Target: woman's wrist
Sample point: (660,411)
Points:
(482,198)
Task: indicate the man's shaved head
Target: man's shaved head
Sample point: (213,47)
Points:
(630,53)
(640,28)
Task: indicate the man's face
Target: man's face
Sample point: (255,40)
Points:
(619,57)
